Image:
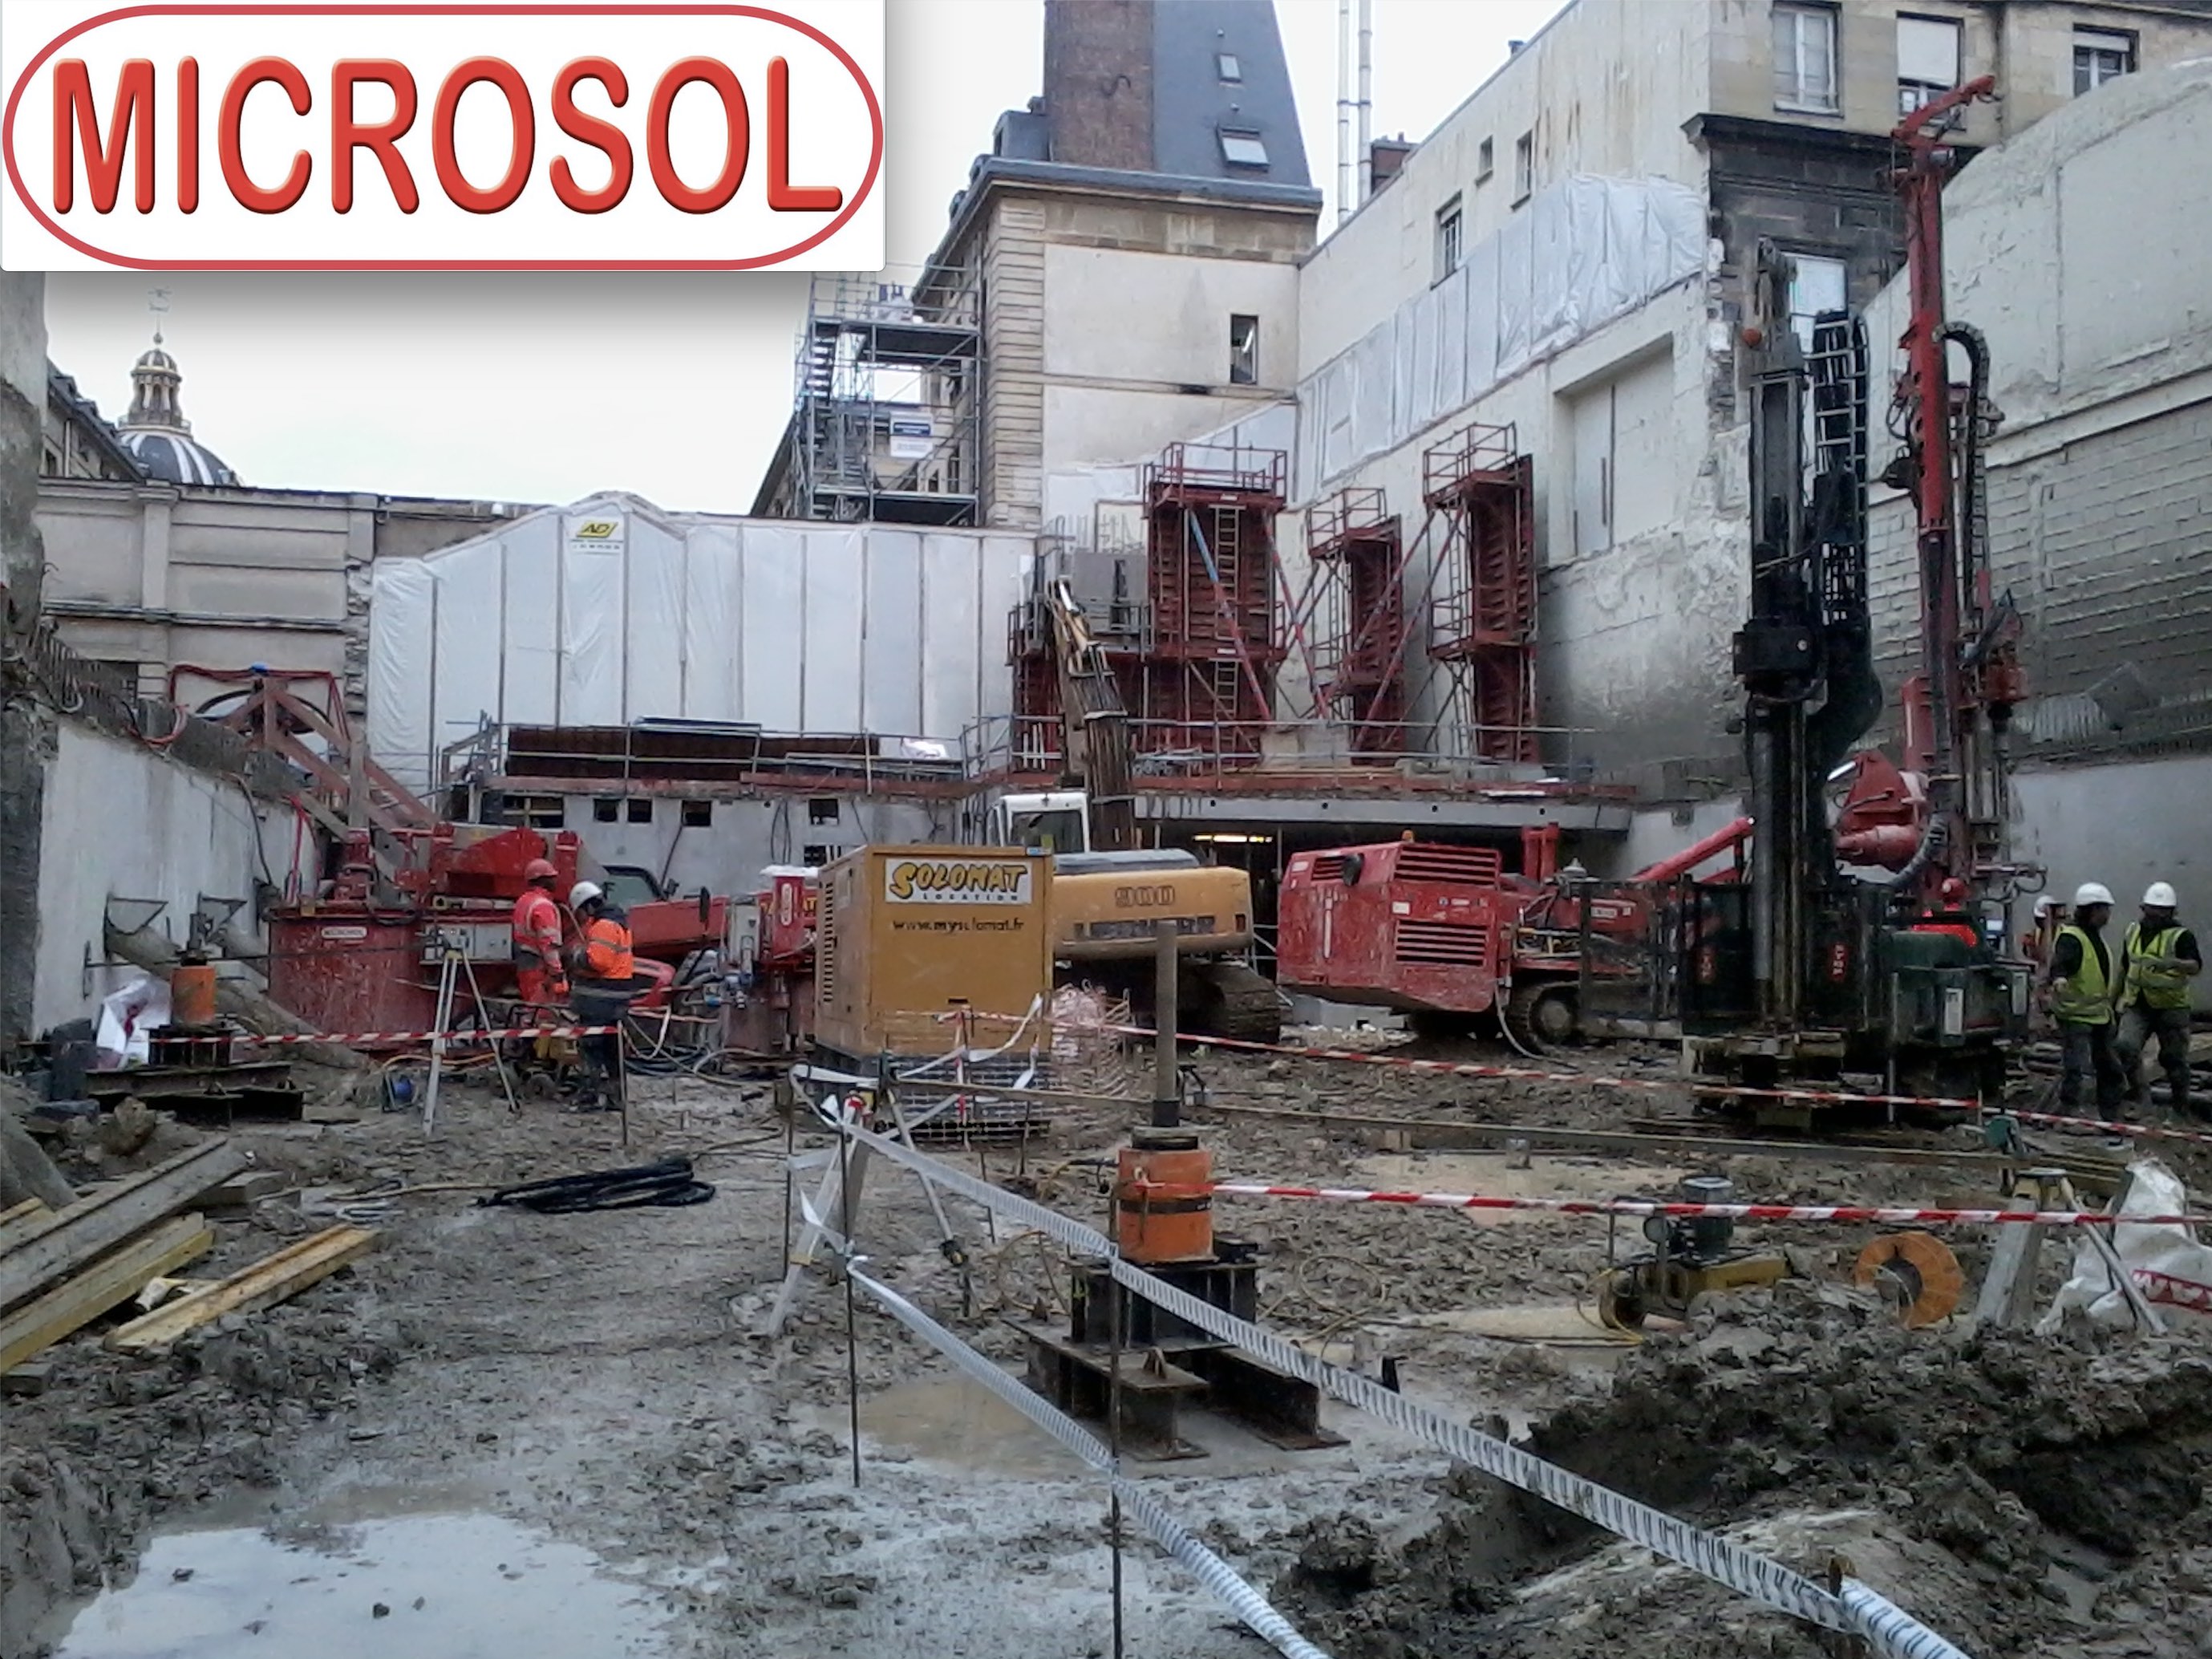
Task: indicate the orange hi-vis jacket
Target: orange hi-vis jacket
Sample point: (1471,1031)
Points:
(607,947)
(536,931)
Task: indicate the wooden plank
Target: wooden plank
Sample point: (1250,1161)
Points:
(17,1224)
(108,1283)
(267,1282)
(73,1238)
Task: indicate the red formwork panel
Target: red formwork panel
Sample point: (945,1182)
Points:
(1357,621)
(1480,494)
(1212,645)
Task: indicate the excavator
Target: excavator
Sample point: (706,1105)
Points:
(1109,891)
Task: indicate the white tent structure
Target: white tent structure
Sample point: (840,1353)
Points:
(611,611)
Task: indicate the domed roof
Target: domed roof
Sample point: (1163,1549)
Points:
(175,457)
(155,431)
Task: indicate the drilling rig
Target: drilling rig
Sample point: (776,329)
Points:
(1847,950)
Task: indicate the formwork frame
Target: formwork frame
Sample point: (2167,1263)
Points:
(1354,609)
(1479,489)
(1213,637)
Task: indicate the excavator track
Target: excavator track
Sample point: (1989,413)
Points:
(1240,1004)
(1541,1015)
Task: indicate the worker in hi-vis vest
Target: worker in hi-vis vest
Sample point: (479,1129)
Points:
(2158,958)
(2084,992)
(600,989)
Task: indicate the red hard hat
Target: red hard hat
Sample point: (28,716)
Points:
(1954,889)
(540,870)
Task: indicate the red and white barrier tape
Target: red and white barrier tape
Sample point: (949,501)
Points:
(356,1039)
(1640,1207)
(1529,1074)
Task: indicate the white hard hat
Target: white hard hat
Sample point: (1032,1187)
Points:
(2160,896)
(585,891)
(2092,892)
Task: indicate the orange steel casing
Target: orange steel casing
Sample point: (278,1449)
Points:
(1163,1228)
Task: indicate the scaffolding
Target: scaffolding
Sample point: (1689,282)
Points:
(888,423)
(1478,491)
(1355,614)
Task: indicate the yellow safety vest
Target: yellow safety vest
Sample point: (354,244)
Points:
(2154,987)
(2086,997)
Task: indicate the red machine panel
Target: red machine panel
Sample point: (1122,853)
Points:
(1398,924)
(344,971)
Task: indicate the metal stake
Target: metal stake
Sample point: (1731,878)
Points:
(1114,1446)
(1166,1086)
(845,1226)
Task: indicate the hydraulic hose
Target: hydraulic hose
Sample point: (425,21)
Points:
(669,1184)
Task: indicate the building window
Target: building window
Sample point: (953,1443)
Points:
(1243,147)
(640,808)
(698,815)
(537,812)
(1524,165)
(1805,58)
(1485,156)
(814,857)
(1450,227)
(2101,55)
(1818,286)
(1244,350)
(1226,62)
(1927,60)
(605,809)
(823,808)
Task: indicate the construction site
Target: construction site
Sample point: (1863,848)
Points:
(1401,939)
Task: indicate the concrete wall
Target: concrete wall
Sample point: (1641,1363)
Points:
(727,854)
(1146,333)
(157,575)
(1605,88)
(26,725)
(162,830)
(2079,249)
(1106,326)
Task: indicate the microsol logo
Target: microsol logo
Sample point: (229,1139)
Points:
(956,881)
(441,138)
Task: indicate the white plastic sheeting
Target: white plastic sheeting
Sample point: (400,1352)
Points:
(794,627)
(1576,257)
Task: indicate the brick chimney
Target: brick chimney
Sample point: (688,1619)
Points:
(1098,83)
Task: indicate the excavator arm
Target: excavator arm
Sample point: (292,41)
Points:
(1095,724)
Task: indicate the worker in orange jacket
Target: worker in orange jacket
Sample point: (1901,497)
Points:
(541,978)
(605,967)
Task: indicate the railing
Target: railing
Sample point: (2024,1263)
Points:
(1247,754)
(1220,468)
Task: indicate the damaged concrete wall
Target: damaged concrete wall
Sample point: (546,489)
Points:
(163,830)
(2079,250)
(26,723)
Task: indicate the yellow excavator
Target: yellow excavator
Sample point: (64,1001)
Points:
(1109,892)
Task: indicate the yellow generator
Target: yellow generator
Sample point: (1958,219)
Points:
(906,936)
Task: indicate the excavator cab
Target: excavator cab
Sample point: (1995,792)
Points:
(1053,821)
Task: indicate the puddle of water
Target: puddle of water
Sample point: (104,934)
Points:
(487,1587)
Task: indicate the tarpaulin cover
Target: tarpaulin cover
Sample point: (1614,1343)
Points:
(1579,255)
(610,611)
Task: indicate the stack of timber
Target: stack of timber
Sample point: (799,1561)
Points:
(60,1269)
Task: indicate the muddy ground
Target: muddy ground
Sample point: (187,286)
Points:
(600,1378)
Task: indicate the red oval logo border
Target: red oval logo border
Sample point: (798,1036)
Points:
(125,262)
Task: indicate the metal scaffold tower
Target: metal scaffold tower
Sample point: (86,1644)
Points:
(1478,491)
(1356,617)
(1211,648)
(888,428)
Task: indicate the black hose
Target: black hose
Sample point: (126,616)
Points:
(667,1184)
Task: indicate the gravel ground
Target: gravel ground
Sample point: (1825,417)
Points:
(600,1377)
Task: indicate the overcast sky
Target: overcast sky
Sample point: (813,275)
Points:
(674,386)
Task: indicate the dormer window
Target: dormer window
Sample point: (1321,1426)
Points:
(1230,69)
(1243,147)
